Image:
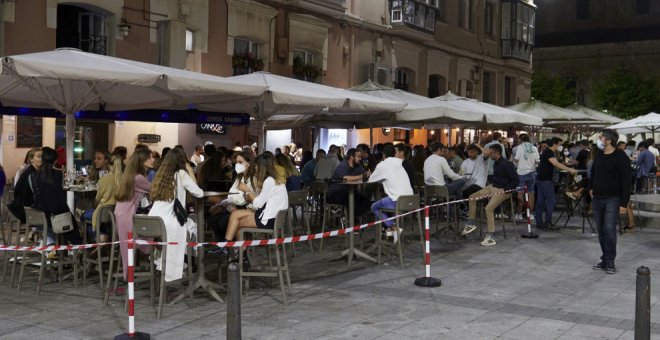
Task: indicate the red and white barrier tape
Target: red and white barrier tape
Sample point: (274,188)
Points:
(249,243)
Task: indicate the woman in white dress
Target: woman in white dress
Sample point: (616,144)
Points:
(172,180)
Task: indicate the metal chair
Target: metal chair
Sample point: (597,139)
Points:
(404,204)
(434,194)
(334,212)
(281,269)
(102,217)
(37,217)
(15,239)
(153,227)
(114,261)
(299,199)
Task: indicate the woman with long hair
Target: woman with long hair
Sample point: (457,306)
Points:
(132,188)
(271,198)
(220,212)
(50,195)
(292,175)
(214,173)
(26,164)
(22,192)
(105,194)
(172,181)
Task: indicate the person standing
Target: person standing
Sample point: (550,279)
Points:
(526,159)
(645,161)
(610,189)
(546,199)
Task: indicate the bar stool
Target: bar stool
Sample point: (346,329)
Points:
(153,227)
(102,217)
(281,269)
(336,213)
(404,204)
(440,194)
(38,217)
(298,199)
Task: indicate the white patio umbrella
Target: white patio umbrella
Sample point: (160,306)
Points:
(291,103)
(548,112)
(69,80)
(642,124)
(488,114)
(599,117)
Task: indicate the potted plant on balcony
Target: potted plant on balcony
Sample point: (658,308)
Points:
(244,64)
(307,72)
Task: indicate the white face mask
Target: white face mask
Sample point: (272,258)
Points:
(560,148)
(600,144)
(240,168)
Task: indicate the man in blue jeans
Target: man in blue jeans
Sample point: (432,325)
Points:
(545,187)
(610,185)
(395,183)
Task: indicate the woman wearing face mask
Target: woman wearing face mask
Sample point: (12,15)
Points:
(235,200)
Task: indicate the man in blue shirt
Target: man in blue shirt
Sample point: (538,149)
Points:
(645,161)
(350,169)
(307,172)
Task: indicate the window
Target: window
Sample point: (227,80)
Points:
(441,12)
(304,67)
(509,91)
(437,85)
(642,7)
(581,9)
(81,28)
(466,88)
(488,18)
(518,27)
(465,14)
(488,88)
(402,79)
(420,14)
(189,40)
(246,57)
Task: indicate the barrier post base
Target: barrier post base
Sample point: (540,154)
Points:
(427,282)
(530,235)
(136,336)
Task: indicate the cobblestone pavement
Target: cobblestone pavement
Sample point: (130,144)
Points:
(528,289)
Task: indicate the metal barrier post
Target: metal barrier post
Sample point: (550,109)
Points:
(233,302)
(529,234)
(643,304)
(132,334)
(427,281)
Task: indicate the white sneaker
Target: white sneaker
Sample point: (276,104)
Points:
(468,229)
(518,217)
(488,241)
(396,235)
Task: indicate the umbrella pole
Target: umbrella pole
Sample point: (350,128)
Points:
(70,137)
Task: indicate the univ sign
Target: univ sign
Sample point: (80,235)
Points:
(211,129)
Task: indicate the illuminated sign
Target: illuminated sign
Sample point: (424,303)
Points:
(211,129)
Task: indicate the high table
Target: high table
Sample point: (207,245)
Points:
(200,281)
(351,251)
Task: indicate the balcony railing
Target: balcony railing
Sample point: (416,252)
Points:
(417,14)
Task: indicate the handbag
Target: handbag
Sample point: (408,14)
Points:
(179,210)
(144,205)
(62,223)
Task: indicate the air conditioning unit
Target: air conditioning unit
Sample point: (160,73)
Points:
(379,73)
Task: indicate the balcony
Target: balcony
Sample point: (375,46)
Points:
(329,7)
(417,14)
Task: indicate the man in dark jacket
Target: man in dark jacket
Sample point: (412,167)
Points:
(610,189)
(505,178)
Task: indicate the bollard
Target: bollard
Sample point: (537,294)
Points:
(427,280)
(529,234)
(131,334)
(233,302)
(643,304)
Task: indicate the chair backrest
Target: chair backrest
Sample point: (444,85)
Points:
(435,192)
(280,221)
(113,222)
(297,198)
(35,217)
(149,226)
(319,187)
(102,216)
(407,203)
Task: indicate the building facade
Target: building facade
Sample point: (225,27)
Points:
(476,48)
(583,40)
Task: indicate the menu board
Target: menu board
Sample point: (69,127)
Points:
(29,132)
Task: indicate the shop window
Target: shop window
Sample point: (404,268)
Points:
(246,57)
